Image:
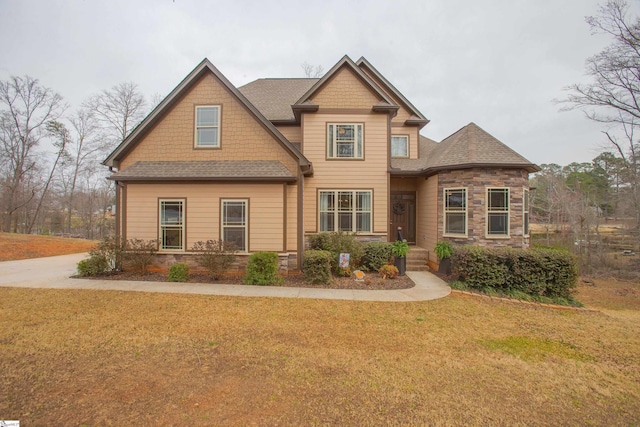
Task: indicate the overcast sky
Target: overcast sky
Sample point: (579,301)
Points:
(496,63)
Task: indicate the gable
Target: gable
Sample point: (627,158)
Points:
(403,112)
(345,90)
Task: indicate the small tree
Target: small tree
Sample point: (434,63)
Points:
(215,256)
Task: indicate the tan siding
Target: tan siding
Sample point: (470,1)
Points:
(242,136)
(412,133)
(266,211)
(292,218)
(403,112)
(370,173)
(345,90)
(427,226)
(292,133)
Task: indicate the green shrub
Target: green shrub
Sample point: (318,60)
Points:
(480,266)
(389,271)
(139,254)
(262,269)
(93,266)
(337,243)
(179,272)
(443,250)
(317,267)
(376,254)
(399,249)
(105,257)
(216,256)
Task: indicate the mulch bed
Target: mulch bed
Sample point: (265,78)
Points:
(373,281)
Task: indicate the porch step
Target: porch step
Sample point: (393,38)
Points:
(417,259)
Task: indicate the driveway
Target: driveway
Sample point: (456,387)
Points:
(54,272)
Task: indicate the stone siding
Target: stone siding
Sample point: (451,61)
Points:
(287,262)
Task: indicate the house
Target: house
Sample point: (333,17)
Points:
(269,163)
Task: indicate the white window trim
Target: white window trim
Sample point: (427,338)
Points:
(334,142)
(466,212)
(487,212)
(354,212)
(182,226)
(526,203)
(196,143)
(406,138)
(246,221)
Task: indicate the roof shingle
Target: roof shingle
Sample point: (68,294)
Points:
(274,97)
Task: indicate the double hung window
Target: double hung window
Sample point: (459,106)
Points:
(172,225)
(208,126)
(455,211)
(345,141)
(497,212)
(345,210)
(399,146)
(234,223)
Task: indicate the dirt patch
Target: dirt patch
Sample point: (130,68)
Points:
(373,281)
(25,246)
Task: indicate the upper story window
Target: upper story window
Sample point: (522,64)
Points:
(497,212)
(399,146)
(344,141)
(455,211)
(208,126)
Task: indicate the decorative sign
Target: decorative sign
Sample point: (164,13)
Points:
(359,275)
(343,261)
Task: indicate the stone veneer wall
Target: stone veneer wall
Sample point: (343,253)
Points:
(287,262)
(477,180)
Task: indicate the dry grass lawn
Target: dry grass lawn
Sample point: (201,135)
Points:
(23,246)
(73,357)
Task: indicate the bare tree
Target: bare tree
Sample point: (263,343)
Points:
(613,95)
(313,72)
(27,108)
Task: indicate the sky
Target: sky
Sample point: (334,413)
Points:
(498,63)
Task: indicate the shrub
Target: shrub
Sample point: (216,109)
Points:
(179,272)
(337,243)
(443,250)
(389,271)
(376,254)
(399,249)
(262,269)
(93,266)
(480,266)
(215,256)
(317,267)
(105,257)
(139,254)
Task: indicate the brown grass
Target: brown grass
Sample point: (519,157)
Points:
(24,246)
(74,357)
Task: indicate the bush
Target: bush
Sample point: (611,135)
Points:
(262,269)
(317,267)
(376,254)
(139,254)
(216,256)
(443,250)
(105,257)
(389,271)
(93,266)
(399,249)
(539,272)
(179,272)
(337,243)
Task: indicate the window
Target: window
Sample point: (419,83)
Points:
(344,141)
(234,223)
(399,146)
(497,212)
(172,225)
(345,210)
(208,126)
(525,213)
(455,211)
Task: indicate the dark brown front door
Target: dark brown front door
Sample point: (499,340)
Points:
(403,214)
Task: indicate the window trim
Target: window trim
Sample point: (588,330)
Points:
(334,145)
(183,226)
(406,138)
(354,211)
(526,211)
(196,143)
(488,212)
(445,211)
(246,220)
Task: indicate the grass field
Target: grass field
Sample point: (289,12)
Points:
(115,358)
(23,246)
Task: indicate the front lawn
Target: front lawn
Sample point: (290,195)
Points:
(24,246)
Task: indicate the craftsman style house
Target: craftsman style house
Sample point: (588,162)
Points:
(271,162)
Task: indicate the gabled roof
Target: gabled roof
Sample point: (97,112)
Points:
(213,170)
(385,104)
(274,97)
(469,147)
(176,94)
(417,117)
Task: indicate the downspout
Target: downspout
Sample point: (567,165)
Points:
(300,218)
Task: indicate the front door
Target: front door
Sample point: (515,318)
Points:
(403,214)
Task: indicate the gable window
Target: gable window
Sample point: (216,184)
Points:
(344,141)
(455,211)
(234,222)
(497,212)
(525,212)
(345,210)
(208,126)
(399,146)
(172,225)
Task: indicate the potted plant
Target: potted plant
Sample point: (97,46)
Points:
(399,250)
(444,250)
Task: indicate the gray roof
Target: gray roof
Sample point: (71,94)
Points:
(274,97)
(470,146)
(214,170)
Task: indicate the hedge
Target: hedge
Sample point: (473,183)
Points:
(547,272)
(262,269)
(337,243)
(376,254)
(317,267)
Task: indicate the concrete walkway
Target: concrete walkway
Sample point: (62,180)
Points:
(54,272)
